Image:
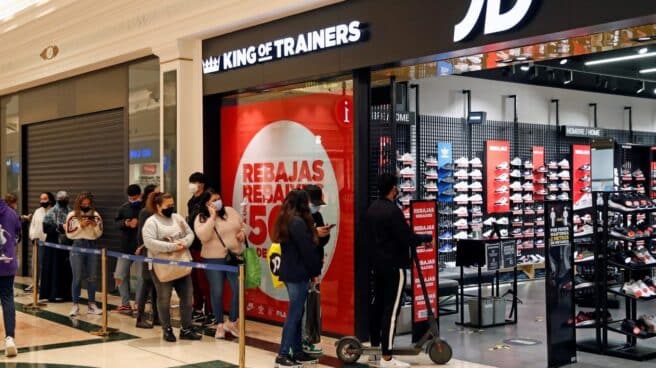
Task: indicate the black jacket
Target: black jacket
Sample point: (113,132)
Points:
(318,222)
(300,260)
(390,236)
(129,241)
(193,207)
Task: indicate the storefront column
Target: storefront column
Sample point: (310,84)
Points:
(181,123)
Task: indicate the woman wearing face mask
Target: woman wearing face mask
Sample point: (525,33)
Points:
(46,201)
(147,287)
(56,284)
(220,229)
(300,262)
(167,232)
(84,226)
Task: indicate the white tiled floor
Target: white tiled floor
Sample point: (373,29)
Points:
(148,350)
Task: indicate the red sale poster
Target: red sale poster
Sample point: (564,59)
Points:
(581,178)
(271,147)
(539,173)
(423,217)
(497,163)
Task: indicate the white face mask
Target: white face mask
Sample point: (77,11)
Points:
(193,188)
(218,204)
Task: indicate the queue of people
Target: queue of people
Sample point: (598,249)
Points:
(214,234)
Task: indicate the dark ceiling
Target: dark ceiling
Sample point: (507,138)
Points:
(619,78)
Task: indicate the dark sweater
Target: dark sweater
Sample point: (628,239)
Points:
(193,207)
(300,260)
(390,236)
(129,241)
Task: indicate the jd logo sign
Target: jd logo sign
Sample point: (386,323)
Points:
(495,20)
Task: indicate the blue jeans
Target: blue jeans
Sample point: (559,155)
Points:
(216,279)
(292,329)
(122,273)
(80,262)
(8,307)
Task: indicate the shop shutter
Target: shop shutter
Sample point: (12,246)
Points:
(82,153)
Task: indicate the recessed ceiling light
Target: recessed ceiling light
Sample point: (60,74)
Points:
(563,62)
(643,50)
(646,71)
(525,68)
(644,39)
(620,58)
(521,58)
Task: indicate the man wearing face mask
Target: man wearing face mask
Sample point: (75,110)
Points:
(316,202)
(56,283)
(390,238)
(202,301)
(127,221)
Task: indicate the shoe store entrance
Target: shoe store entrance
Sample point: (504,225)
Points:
(542,160)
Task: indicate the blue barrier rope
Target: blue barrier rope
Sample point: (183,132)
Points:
(142,259)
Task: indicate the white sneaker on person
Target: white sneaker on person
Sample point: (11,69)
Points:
(93,309)
(75,310)
(10,347)
(220,332)
(392,363)
(231,327)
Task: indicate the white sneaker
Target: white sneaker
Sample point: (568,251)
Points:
(516,161)
(475,185)
(515,174)
(502,166)
(475,198)
(392,363)
(475,162)
(75,310)
(502,221)
(462,162)
(10,347)
(516,185)
(93,309)
(462,173)
(460,223)
(475,173)
(502,178)
(563,164)
(490,221)
(407,171)
(501,189)
(461,211)
(461,235)
(219,334)
(461,198)
(517,198)
(463,185)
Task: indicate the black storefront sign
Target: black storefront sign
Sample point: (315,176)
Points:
(583,132)
(561,333)
(493,255)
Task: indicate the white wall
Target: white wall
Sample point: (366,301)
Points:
(443,96)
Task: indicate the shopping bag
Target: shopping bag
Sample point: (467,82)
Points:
(172,271)
(313,320)
(252,269)
(274,256)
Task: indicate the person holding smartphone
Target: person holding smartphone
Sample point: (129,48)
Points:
(323,231)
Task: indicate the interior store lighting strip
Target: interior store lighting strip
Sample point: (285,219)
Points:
(620,58)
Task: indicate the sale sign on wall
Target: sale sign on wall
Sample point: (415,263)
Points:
(269,148)
(497,163)
(581,177)
(423,217)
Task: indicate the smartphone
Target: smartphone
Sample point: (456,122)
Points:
(331,226)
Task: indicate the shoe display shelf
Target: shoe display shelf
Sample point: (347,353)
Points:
(622,236)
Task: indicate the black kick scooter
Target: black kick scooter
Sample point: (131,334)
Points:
(350,349)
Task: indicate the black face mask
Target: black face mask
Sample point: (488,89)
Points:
(85,209)
(135,204)
(168,212)
(44,204)
(62,203)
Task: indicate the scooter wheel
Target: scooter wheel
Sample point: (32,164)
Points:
(349,349)
(440,352)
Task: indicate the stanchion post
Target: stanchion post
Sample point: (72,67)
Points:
(104,330)
(242,319)
(35,306)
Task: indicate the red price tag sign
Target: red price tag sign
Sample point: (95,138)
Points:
(423,218)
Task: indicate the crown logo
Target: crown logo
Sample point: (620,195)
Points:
(444,152)
(211,65)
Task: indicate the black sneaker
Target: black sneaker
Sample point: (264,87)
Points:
(198,316)
(209,320)
(168,335)
(305,358)
(190,334)
(287,361)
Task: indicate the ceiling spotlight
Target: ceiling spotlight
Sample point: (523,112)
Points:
(643,51)
(650,70)
(521,58)
(620,58)
(525,68)
(643,39)
(655,91)
(642,88)
(569,79)
(563,62)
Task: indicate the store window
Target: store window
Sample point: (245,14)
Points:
(10,146)
(170,161)
(283,139)
(144,153)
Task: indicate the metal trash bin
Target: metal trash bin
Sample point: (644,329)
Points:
(499,310)
(487,312)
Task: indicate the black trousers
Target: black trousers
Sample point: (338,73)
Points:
(387,287)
